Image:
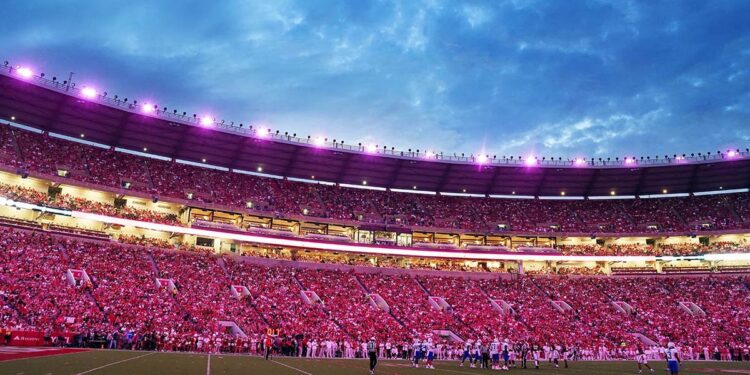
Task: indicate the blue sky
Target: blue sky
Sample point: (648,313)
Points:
(549,78)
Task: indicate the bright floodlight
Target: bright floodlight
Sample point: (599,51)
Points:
(371,149)
(24,72)
(629,160)
(429,155)
(481,159)
(580,161)
(88,92)
(207,121)
(732,153)
(319,141)
(148,108)
(530,161)
(262,132)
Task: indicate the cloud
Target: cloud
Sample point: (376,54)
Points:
(476,16)
(597,77)
(593,134)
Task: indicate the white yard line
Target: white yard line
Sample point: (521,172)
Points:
(114,363)
(291,367)
(208,365)
(455,371)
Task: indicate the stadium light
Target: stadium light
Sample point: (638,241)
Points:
(429,155)
(482,159)
(629,160)
(148,108)
(371,149)
(530,161)
(207,121)
(262,132)
(319,141)
(24,72)
(580,162)
(89,92)
(731,153)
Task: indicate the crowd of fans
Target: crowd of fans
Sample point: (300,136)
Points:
(319,312)
(69,202)
(677,249)
(46,154)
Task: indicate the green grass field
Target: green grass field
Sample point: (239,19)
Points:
(123,362)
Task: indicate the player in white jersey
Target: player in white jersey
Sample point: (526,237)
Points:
(466,354)
(555,356)
(673,359)
(477,353)
(506,353)
(495,354)
(428,348)
(640,357)
(417,352)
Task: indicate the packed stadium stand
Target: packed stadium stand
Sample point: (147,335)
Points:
(120,295)
(108,246)
(45,155)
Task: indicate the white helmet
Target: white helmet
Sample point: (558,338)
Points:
(670,345)
(506,340)
(495,340)
(372,338)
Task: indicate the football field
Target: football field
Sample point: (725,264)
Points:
(127,362)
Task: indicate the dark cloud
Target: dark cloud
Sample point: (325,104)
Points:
(559,78)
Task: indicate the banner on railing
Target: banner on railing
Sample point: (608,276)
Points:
(26,338)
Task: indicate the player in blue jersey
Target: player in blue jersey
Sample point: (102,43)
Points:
(673,359)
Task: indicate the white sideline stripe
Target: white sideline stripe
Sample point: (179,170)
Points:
(291,367)
(114,363)
(208,365)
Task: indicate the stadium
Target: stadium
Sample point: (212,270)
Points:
(139,238)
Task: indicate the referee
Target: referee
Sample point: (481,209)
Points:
(373,354)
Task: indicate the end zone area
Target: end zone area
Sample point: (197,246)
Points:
(10,353)
(113,362)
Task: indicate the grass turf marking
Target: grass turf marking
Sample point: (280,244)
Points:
(115,363)
(291,367)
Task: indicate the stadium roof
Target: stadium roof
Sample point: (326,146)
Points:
(57,108)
